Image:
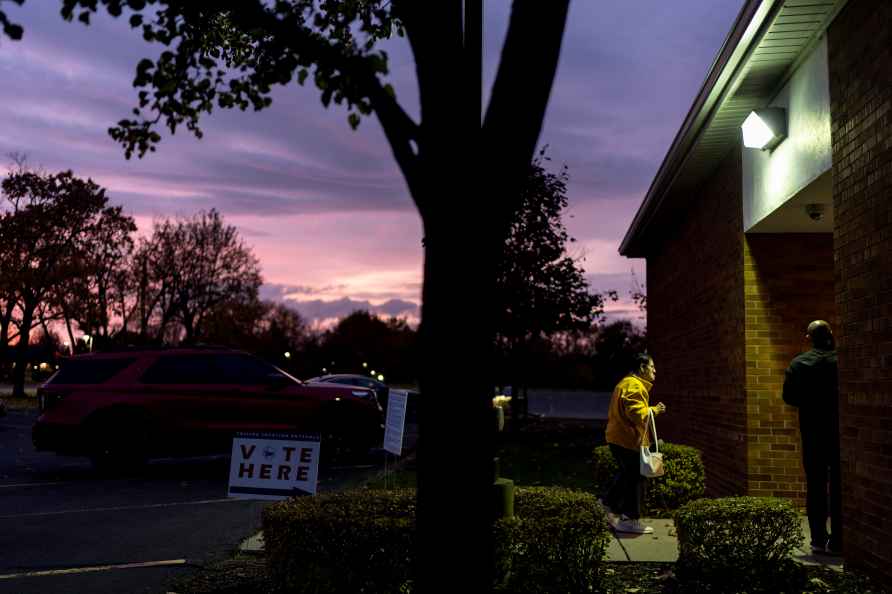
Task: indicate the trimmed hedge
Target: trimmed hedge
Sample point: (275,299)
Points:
(683,482)
(736,543)
(553,544)
(307,540)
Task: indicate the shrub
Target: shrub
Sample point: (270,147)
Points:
(737,543)
(554,543)
(683,482)
(307,540)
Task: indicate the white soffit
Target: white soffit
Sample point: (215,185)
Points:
(792,216)
(770,39)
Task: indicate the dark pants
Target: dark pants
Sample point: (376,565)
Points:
(627,489)
(822,466)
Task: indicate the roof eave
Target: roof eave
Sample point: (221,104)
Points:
(729,60)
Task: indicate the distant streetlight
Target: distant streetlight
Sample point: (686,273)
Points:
(287,355)
(365,365)
(380,377)
(373,372)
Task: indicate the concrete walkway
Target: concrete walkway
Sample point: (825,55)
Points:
(662,545)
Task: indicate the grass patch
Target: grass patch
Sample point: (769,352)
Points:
(547,453)
(401,478)
(551,454)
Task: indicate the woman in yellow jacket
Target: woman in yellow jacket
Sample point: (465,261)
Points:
(627,431)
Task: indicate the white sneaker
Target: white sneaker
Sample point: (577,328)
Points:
(632,526)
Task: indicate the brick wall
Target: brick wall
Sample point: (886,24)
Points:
(860,62)
(788,281)
(695,327)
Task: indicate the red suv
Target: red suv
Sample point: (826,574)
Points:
(124,407)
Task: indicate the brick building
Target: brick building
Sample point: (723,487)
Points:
(745,247)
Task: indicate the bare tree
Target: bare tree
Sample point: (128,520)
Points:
(41,235)
(102,252)
(182,273)
(216,266)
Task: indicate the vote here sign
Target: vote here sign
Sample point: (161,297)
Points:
(273,465)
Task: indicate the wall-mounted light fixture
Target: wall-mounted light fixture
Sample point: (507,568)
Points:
(764,128)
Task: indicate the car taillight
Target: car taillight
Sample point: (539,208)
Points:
(47,398)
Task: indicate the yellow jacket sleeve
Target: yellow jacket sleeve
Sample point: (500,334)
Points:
(635,406)
(627,416)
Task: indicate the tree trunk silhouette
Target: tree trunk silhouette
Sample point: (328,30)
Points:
(21,350)
(5,322)
(466,186)
(456,433)
(70,335)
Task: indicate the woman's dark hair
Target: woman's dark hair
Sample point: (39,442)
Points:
(640,360)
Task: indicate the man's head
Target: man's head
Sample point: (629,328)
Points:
(644,367)
(820,335)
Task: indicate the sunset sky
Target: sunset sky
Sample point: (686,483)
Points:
(325,208)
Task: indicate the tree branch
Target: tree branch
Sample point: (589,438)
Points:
(400,131)
(522,87)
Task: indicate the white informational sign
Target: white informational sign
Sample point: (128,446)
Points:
(395,424)
(273,465)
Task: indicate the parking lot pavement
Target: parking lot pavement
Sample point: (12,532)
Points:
(65,529)
(568,404)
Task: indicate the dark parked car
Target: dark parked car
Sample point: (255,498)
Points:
(124,407)
(355,379)
(381,389)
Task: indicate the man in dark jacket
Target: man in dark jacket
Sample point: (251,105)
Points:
(812,385)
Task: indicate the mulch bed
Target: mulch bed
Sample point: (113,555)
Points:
(247,575)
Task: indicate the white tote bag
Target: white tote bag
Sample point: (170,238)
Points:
(651,463)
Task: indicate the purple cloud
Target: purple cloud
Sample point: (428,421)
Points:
(326,207)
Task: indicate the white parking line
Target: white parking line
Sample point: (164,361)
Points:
(30,485)
(88,569)
(119,508)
